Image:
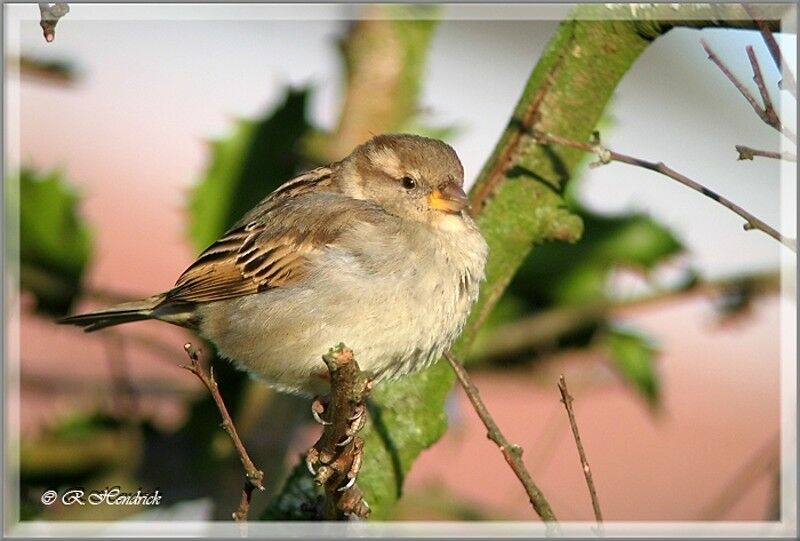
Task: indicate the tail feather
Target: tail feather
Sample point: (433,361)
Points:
(115,315)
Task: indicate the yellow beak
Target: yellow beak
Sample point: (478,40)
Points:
(448,197)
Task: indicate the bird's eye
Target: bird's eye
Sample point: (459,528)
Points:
(408,183)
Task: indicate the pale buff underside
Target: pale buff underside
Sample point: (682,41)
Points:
(398,309)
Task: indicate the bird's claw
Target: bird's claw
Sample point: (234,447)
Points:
(317,408)
(345,441)
(349,484)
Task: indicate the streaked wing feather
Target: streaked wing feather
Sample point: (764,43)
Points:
(263,251)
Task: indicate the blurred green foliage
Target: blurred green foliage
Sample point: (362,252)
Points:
(244,167)
(633,354)
(559,273)
(55,242)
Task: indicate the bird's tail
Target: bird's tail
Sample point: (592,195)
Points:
(121,313)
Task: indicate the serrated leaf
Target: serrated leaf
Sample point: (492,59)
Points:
(247,165)
(55,242)
(634,356)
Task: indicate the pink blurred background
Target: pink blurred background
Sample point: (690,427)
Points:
(130,135)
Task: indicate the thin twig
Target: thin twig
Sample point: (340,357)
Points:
(512,453)
(763,461)
(747,153)
(606,155)
(50,14)
(567,399)
(254,478)
(758,77)
(336,457)
(771,120)
(788,81)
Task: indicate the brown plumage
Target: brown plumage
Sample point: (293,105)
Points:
(375,251)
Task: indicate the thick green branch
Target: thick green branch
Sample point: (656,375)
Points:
(517,201)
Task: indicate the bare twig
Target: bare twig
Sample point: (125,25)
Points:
(606,155)
(253,476)
(771,120)
(747,153)
(50,14)
(758,77)
(336,457)
(765,460)
(567,399)
(788,81)
(512,453)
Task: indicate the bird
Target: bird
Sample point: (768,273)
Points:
(376,251)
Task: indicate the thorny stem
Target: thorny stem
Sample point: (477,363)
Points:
(254,477)
(606,155)
(512,453)
(567,399)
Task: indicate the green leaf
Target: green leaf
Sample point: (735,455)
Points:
(55,243)
(255,159)
(560,273)
(634,356)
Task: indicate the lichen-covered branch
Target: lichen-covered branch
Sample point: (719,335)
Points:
(518,203)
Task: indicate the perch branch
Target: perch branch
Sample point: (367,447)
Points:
(770,119)
(788,81)
(512,453)
(747,153)
(254,478)
(606,155)
(336,457)
(50,14)
(567,399)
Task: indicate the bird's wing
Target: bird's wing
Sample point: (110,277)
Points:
(272,246)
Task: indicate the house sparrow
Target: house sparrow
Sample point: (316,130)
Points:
(375,251)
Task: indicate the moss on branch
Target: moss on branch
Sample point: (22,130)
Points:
(518,203)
